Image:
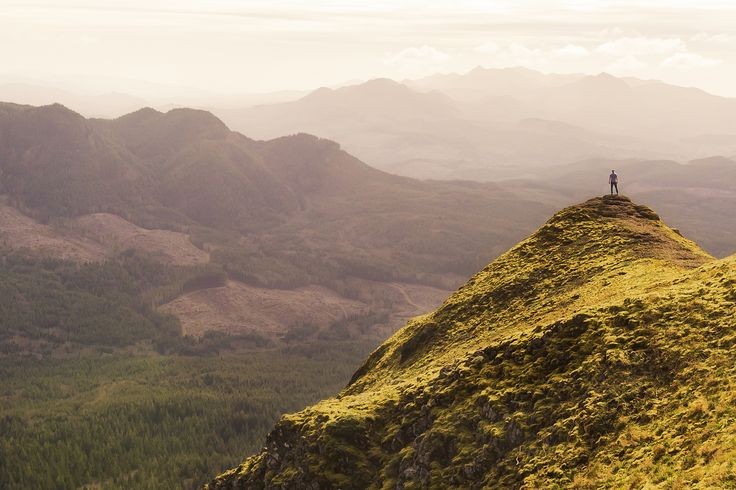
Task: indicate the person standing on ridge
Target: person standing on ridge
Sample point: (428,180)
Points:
(613,180)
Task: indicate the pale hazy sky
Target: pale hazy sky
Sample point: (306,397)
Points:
(236,46)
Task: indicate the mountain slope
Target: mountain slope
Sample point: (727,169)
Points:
(180,188)
(596,353)
(471,125)
(379,101)
(54,161)
(186,171)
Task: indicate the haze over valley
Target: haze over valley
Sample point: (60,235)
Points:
(487,124)
(494,124)
(363,246)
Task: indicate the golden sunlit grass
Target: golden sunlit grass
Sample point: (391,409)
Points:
(595,354)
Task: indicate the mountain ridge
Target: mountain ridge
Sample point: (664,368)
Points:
(466,126)
(578,358)
(206,204)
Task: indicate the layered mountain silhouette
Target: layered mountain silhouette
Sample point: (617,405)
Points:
(477,125)
(598,352)
(186,167)
(480,83)
(473,125)
(294,212)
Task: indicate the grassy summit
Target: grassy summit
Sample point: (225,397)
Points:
(599,352)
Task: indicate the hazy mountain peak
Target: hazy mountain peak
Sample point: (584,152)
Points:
(59,108)
(321,91)
(180,115)
(306,139)
(47,112)
(380,99)
(371,88)
(382,82)
(45,125)
(603,81)
(149,131)
(141,115)
(197,117)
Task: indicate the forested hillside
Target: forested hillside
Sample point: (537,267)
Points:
(111,231)
(298,203)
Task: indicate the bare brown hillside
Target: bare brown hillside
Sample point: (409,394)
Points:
(92,238)
(19,231)
(238,308)
(116,234)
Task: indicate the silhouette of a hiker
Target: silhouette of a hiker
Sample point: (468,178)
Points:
(613,180)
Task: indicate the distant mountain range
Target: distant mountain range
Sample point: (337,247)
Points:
(487,124)
(491,124)
(186,169)
(114,104)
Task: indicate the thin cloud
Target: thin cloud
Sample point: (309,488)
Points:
(642,46)
(418,55)
(322,42)
(627,65)
(488,47)
(689,60)
(721,39)
(572,51)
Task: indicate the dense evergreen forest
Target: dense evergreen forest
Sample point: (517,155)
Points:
(130,421)
(100,389)
(48,306)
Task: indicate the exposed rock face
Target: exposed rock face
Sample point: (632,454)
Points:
(596,353)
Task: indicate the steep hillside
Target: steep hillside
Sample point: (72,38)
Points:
(181,189)
(269,210)
(53,161)
(596,353)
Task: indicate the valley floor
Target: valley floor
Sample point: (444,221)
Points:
(107,421)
